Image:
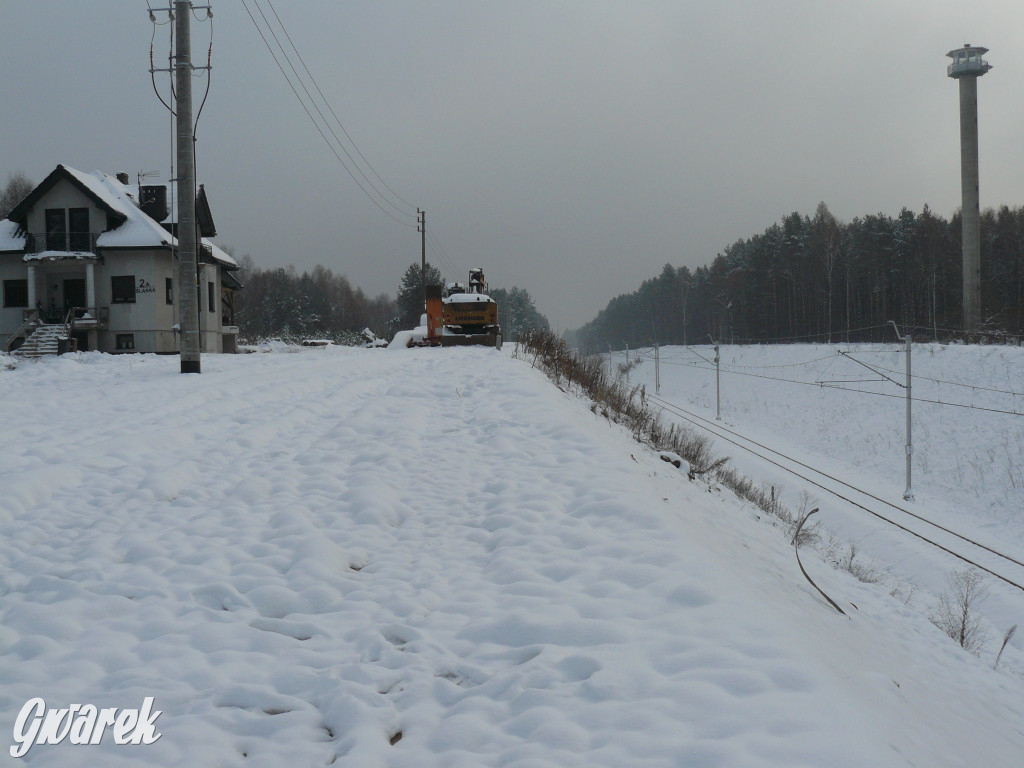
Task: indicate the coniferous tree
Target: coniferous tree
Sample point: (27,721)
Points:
(818,279)
(280,303)
(517,312)
(410,295)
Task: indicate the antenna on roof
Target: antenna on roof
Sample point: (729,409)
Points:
(146,175)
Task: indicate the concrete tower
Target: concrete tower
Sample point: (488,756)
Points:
(967,67)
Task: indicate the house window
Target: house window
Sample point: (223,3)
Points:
(15,293)
(56,230)
(78,229)
(211,297)
(122,289)
(227,309)
(169,289)
(124,341)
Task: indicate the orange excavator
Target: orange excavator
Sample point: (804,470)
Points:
(460,314)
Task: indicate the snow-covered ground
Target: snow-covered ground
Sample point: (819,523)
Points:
(434,557)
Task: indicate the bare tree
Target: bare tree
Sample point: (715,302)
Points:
(956,613)
(17,188)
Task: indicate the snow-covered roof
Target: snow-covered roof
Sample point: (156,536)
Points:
(468,298)
(137,230)
(221,255)
(94,182)
(9,239)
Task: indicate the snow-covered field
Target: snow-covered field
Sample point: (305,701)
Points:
(436,558)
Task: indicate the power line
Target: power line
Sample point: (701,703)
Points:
(334,114)
(316,124)
(442,256)
(316,106)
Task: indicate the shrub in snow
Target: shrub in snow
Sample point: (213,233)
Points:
(1006,639)
(956,614)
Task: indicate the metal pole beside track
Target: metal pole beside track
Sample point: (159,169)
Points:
(908,494)
(718,385)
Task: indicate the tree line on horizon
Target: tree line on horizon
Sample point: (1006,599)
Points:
(819,279)
(283,303)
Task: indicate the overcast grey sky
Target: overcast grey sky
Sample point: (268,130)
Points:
(571,147)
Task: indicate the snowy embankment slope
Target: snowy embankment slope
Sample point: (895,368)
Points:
(968,456)
(302,557)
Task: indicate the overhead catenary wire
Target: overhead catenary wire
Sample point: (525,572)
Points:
(822,335)
(870,495)
(831,385)
(717,430)
(892,351)
(965,385)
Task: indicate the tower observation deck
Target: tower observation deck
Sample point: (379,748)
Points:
(967,61)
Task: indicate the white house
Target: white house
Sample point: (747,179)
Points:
(90,260)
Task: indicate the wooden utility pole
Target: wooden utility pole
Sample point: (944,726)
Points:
(188,297)
(422,229)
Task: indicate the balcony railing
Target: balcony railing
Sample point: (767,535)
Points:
(88,317)
(83,317)
(65,242)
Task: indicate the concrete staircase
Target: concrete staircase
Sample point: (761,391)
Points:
(43,341)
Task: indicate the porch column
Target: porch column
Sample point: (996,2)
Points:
(31,287)
(90,286)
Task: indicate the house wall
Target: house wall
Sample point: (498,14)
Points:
(166,340)
(11,268)
(143,319)
(210,322)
